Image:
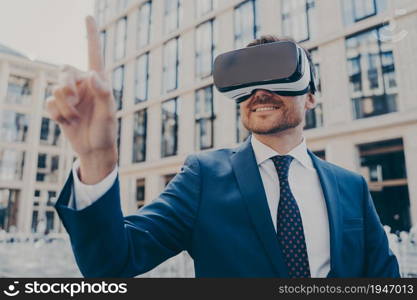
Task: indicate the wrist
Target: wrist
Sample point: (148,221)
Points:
(95,166)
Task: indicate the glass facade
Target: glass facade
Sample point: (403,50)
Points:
(101,12)
(13,126)
(358,10)
(141,78)
(120,39)
(12,163)
(9,204)
(383,164)
(204,118)
(19,90)
(103,44)
(314,117)
(50,133)
(119,135)
(203,7)
(371,70)
(172,11)
(43,215)
(299,19)
(48,168)
(118,85)
(139,136)
(169,143)
(241,132)
(246,23)
(205,48)
(140,192)
(170,65)
(144,24)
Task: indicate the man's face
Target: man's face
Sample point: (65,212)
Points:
(267,113)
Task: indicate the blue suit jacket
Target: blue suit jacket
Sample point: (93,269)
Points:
(216,209)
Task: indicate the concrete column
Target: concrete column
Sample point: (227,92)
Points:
(337,104)
(31,157)
(4,76)
(186,126)
(153,187)
(343,153)
(153,145)
(410,151)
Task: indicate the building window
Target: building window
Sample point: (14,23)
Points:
(48,90)
(101,12)
(169,128)
(140,192)
(19,90)
(170,65)
(9,204)
(120,39)
(48,166)
(12,163)
(13,126)
(204,118)
(118,85)
(246,23)
(43,214)
(103,44)
(144,24)
(299,19)
(172,10)
(383,165)
(50,133)
(314,117)
(321,154)
(358,10)
(205,48)
(371,71)
(241,132)
(168,178)
(119,136)
(203,7)
(141,78)
(139,136)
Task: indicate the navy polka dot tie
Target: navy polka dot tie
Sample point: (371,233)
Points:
(290,230)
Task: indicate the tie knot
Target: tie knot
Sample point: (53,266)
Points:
(282,164)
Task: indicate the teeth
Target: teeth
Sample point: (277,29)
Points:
(266,108)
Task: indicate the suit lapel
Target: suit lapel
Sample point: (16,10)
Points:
(251,187)
(330,188)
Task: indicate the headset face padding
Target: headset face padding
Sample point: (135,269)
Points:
(280,67)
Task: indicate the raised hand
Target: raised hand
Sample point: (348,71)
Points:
(84,107)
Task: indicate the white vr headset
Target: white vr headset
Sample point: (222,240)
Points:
(280,67)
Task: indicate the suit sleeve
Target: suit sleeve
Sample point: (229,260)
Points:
(106,244)
(379,259)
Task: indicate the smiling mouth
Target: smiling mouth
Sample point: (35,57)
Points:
(265,108)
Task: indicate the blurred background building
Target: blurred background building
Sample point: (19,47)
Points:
(34,158)
(159,55)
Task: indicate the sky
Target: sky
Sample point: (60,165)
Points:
(48,30)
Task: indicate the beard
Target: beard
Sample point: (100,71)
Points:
(286,117)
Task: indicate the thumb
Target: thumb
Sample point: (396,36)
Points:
(100,87)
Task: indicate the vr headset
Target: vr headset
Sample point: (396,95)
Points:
(280,67)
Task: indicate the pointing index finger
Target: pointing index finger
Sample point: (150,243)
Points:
(95,60)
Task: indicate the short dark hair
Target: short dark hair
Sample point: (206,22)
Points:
(270,38)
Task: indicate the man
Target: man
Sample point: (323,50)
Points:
(268,208)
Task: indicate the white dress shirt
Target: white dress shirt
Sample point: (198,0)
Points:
(304,183)
(306,188)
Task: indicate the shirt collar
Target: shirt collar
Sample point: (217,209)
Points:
(264,152)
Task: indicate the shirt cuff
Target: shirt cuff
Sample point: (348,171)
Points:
(86,194)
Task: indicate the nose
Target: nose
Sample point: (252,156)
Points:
(259,92)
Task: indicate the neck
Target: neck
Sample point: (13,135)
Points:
(282,142)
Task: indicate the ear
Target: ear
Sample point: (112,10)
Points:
(311,101)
